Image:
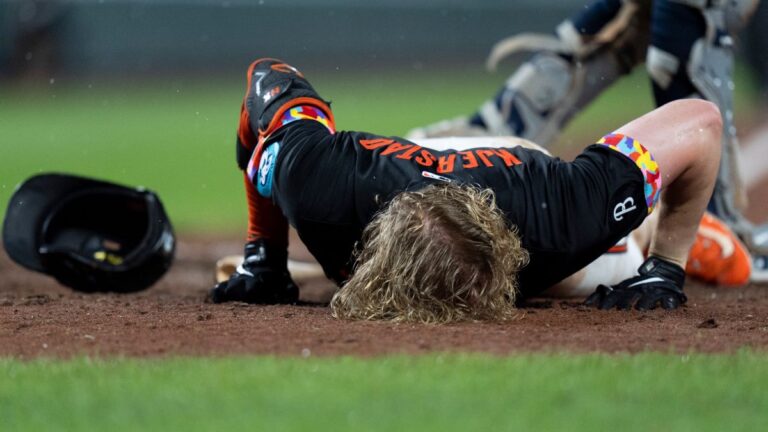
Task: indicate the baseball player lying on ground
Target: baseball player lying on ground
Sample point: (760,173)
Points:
(417,234)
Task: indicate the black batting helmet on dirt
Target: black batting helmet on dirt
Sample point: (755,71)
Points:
(88,234)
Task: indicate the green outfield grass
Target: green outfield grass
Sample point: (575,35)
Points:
(435,393)
(177,136)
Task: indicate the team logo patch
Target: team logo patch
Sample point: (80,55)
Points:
(622,208)
(262,175)
(643,159)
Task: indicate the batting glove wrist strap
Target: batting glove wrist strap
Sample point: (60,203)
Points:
(261,254)
(659,267)
(262,278)
(659,282)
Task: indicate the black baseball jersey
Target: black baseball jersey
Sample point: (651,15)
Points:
(330,186)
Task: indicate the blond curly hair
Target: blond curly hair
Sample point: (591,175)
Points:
(440,254)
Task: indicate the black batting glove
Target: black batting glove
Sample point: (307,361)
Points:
(660,283)
(263,278)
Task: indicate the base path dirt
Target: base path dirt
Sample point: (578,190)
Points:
(39,318)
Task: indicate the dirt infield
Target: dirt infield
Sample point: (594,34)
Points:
(40,318)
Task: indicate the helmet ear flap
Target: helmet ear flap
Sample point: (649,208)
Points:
(90,235)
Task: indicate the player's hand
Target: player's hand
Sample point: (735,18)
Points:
(262,278)
(660,283)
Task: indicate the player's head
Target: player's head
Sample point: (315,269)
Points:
(440,254)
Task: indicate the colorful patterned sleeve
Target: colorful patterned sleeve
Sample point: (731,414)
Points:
(643,158)
(307,112)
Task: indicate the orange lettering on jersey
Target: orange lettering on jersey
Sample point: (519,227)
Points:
(508,158)
(446,161)
(408,154)
(445,164)
(395,147)
(470,161)
(372,144)
(426,159)
(483,155)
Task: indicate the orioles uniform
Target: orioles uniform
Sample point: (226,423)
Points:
(330,184)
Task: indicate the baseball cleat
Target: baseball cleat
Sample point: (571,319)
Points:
(717,256)
(759,242)
(760,269)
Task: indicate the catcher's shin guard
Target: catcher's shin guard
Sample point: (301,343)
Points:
(710,70)
(537,100)
(545,93)
(274,87)
(565,74)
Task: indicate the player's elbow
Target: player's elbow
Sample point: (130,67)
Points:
(711,118)
(705,114)
(707,122)
(711,127)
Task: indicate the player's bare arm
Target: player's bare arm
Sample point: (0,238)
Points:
(684,137)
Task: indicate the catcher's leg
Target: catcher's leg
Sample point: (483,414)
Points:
(691,55)
(591,51)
